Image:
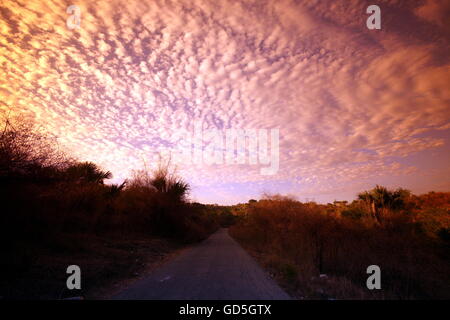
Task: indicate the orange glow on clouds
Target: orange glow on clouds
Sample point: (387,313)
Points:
(354,106)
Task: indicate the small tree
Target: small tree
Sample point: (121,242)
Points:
(169,183)
(86,172)
(28,152)
(380,198)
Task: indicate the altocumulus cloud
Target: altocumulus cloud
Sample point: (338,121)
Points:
(353,106)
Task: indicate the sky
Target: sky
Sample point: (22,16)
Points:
(353,107)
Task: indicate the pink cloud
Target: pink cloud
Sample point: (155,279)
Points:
(349,102)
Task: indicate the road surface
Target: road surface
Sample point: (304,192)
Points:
(215,269)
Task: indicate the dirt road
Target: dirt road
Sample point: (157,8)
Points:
(217,268)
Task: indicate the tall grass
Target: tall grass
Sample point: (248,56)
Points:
(46,196)
(299,242)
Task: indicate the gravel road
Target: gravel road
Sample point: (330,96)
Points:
(215,269)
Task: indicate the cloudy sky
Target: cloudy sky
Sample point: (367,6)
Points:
(354,107)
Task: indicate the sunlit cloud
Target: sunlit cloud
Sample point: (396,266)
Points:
(354,106)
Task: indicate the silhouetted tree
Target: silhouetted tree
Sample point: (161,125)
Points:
(86,172)
(381,198)
(169,183)
(28,153)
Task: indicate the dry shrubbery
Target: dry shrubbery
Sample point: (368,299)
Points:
(47,197)
(404,234)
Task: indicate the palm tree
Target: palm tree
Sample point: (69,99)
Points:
(381,198)
(170,184)
(86,172)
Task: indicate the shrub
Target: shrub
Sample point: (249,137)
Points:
(45,195)
(316,241)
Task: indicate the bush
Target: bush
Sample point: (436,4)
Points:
(46,196)
(314,241)
(353,213)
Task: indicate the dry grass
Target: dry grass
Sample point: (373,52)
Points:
(105,263)
(56,211)
(298,242)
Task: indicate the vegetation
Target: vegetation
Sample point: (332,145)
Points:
(58,211)
(53,205)
(322,251)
